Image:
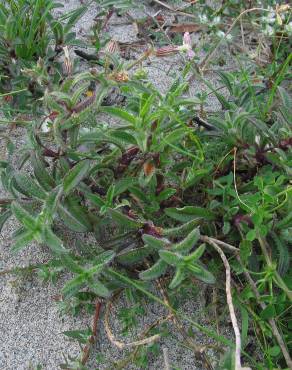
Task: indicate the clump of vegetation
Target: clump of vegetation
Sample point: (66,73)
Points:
(172,193)
(31,40)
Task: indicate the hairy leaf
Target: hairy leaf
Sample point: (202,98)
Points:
(179,276)
(155,243)
(4,216)
(173,259)
(23,216)
(155,271)
(75,175)
(189,213)
(27,186)
(134,256)
(188,243)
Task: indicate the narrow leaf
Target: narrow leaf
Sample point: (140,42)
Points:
(75,175)
(177,279)
(27,186)
(73,286)
(4,216)
(134,256)
(155,271)
(52,241)
(197,254)
(99,289)
(171,258)
(155,243)
(123,220)
(22,240)
(23,216)
(189,213)
(119,113)
(189,242)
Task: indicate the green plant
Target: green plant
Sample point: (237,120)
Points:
(165,186)
(31,38)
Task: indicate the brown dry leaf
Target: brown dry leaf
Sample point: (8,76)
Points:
(148,168)
(185,27)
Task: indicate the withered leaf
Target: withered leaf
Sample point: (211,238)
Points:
(185,27)
(149,168)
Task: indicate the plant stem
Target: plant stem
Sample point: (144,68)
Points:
(91,340)
(271,321)
(277,278)
(230,304)
(207,59)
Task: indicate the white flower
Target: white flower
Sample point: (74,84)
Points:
(270,16)
(229,37)
(288,28)
(269,31)
(46,126)
(203,18)
(220,34)
(216,20)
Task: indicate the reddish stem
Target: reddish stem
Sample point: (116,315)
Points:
(92,338)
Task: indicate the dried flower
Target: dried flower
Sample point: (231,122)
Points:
(119,76)
(166,50)
(67,65)
(112,47)
(282,8)
(173,49)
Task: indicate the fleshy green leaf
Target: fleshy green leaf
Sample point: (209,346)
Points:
(171,258)
(165,194)
(95,199)
(119,113)
(134,256)
(52,241)
(4,216)
(80,335)
(177,279)
(123,220)
(22,240)
(201,273)
(75,175)
(73,286)
(69,262)
(99,289)
(181,230)
(23,216)
(188,243)
(155,271)
(197,254)
(189,213)
(27,186)
(155,243)
(74,215)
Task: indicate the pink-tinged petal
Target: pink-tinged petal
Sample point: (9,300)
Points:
(190,54)
(187,39)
